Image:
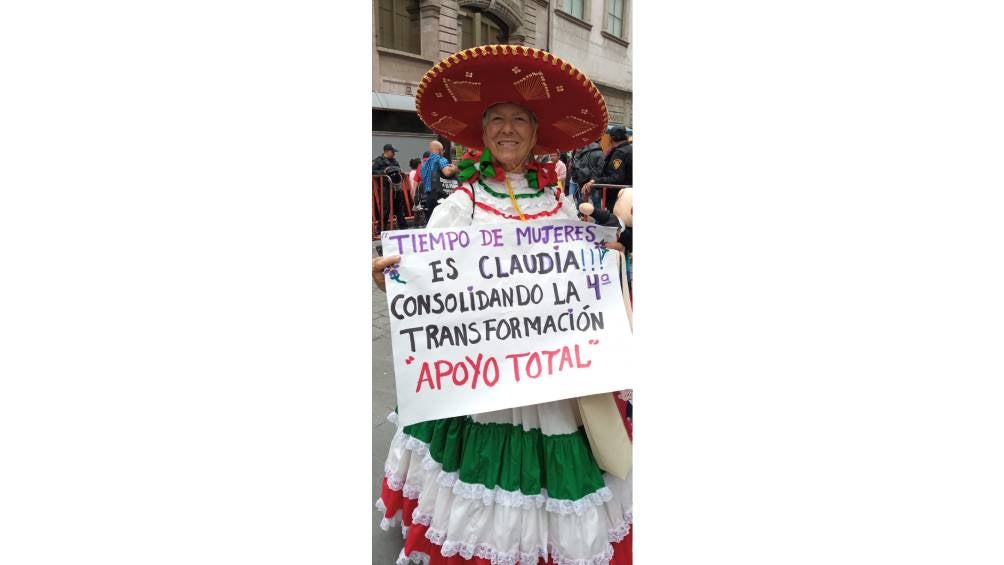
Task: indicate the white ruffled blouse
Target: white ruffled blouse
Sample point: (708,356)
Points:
(455,210)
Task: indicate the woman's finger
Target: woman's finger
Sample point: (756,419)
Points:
(381,263)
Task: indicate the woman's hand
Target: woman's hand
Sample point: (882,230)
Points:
(381,263)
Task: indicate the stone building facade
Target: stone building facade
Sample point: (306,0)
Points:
(410,36)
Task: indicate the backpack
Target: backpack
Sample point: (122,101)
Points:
(581,171)
(441,186)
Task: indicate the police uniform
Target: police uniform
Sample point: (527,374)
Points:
(617,169)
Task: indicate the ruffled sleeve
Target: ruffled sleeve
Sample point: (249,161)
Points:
(569,210)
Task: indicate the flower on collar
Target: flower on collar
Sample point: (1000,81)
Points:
(477,163)
(541,174)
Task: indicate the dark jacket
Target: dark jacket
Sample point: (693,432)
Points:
(587,163)
(617,168)
(380,163)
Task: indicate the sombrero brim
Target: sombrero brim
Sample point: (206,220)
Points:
(454,94)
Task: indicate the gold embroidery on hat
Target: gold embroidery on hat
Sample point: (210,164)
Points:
(449,124)
(572,126)
(463,90)
(533,87)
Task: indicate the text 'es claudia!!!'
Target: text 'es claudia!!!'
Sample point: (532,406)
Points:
(543,263)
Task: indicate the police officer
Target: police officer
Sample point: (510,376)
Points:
(386,164)
(617,169)
(382,163)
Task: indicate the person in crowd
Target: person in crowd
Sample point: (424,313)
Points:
(415,176)
(386,163)
(587,163)
(519,484)
(387,167)
(560,168)
(617,168)
(425,157)
(435,163)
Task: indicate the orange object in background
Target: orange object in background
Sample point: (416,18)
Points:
(605,143)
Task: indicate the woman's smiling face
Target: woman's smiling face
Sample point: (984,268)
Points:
(509,133)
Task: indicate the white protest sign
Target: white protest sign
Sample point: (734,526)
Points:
(497,316)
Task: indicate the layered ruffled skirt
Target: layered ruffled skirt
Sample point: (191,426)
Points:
(507,487)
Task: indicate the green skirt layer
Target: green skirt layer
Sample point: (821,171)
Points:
(511,458)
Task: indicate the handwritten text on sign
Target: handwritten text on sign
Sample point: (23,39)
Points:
(497,316)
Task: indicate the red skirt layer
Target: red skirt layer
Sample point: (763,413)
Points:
(394,501)
(417,541)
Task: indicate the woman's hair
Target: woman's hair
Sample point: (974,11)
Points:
(414,163)
(484,116)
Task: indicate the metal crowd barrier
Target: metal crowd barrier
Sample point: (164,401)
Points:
(609,189)
(387,219)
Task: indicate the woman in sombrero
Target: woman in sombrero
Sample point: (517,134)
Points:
(518,485)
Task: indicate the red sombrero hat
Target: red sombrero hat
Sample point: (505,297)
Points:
(455,93)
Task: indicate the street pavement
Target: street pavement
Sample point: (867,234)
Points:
(386,545)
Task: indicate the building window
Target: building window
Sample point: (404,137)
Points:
(481,28)
(398,25)
(615,17)
(576,8)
